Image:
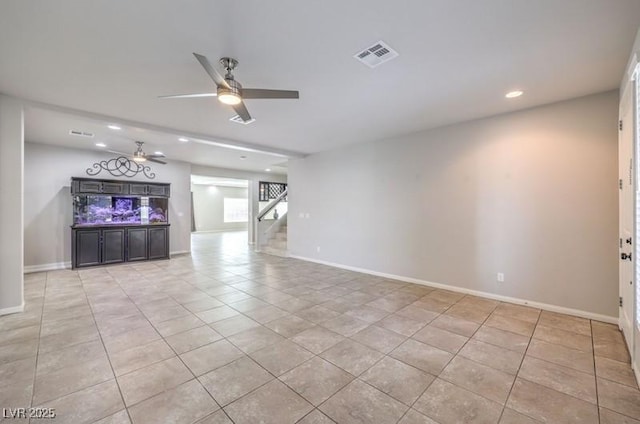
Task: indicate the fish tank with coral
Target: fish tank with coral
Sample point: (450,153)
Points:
(97,209)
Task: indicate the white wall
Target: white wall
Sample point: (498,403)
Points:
(532,194)
(48,204)
(208,207)
(11,205)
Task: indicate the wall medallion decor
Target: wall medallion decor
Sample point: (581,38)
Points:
(121,167)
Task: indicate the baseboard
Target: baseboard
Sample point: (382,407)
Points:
(12,310)
(180,252)
(28,269)
(518,301)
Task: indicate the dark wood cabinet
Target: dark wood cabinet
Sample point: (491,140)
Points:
(137,244)
(137,189)
(115,244)
(158,243)
(86,249)
(112,245)
(110,241)
(158,190)
(115,188)
(88,185)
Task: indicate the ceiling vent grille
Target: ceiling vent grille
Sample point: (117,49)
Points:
(81,133)
(377,54)
(238,120)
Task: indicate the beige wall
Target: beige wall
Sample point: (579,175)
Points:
(531,194)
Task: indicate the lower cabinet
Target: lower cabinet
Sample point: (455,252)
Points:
(109,245)
(137,246)
(113,245)
(87,248)
(158,243)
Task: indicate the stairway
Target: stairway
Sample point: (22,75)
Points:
(277,244)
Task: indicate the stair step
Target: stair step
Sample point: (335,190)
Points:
(278,244)
(281,236)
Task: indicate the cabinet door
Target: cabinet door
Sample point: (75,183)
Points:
(137,188)
(137,244)
(90,187)
(115,188)
(158,243)
(158,190)
(113,245)
(87,248)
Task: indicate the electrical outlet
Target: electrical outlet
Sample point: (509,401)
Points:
(500,277)
(318,249)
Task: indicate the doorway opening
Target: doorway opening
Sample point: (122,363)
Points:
(219,204)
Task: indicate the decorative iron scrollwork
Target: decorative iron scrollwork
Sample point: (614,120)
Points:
(121,167)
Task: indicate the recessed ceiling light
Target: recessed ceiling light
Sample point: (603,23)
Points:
(158,153)
(114,127)
(268,169)
(101,145)
(183,139)
(243,157)
(513,94)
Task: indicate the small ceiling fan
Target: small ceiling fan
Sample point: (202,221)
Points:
(140,156)
(230,91)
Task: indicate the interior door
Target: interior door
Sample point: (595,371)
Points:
(627,210)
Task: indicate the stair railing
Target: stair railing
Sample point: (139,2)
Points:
(272,205)
(265,229)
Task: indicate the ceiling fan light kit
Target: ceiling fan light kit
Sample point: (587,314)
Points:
(230,92)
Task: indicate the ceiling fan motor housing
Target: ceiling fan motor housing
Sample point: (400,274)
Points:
(234,88)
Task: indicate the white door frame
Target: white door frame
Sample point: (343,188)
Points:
(627,212)
(629,204)
(634,350)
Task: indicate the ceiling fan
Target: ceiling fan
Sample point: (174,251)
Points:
(230,92)
(140,156)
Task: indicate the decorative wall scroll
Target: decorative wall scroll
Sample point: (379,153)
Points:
(121,167)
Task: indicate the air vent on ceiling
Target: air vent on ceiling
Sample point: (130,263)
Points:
(81,133)
(238,120)
(377,54)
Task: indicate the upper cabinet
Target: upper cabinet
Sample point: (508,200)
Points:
(88,186)
(161,190)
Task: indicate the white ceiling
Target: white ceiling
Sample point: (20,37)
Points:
(457,60)
(52,127)
(218,181)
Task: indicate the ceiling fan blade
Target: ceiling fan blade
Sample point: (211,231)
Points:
(150,159)
(260,93)
(215,76)
(155,156)
(242,111)
(188,96)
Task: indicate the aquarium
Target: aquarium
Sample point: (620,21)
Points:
(118,210)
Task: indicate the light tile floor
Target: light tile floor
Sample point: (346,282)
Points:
(230,336)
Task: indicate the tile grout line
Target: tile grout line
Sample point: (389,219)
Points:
(524,355)
(104,347)
(171,347)
(462,347)
(35,370)
(595,370)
